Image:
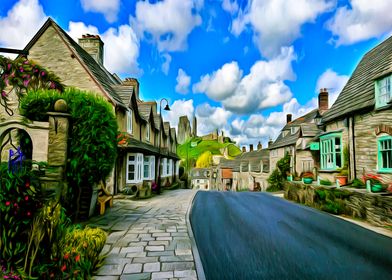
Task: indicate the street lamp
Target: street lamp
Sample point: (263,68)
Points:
(167,108)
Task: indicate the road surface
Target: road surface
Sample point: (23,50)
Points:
(258,236)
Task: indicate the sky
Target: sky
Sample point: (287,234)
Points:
(239,66)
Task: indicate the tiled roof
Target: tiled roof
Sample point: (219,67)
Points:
(166,127)
(157,121)
(137,145)
(358,93)
(173,133)
(309,129)
(124,92)
(144,110)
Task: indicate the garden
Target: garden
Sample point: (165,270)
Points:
(39,237)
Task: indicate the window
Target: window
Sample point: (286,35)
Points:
(149,167)
(307,165)
(385,153)
(164,166)
(284,133)
(177,167)
(134,168)
(331,152)
(294,130)
(383,91)
(169,167)
(148,132)
(129,121)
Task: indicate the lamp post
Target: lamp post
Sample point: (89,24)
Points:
(167,108)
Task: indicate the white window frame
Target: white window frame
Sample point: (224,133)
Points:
(148,132)
(169,167)
(163,167)
(138,168)
(130,121)
(383,91)
(149,164)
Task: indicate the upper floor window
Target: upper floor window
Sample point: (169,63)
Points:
(385,153)
(285,132)
(331,152)
(294,130)
(129,121)
(383,91)
(148,132)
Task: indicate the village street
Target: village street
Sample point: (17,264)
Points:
(148,238)
(258,236)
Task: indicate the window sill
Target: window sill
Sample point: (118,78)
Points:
(384,171)
(381,108)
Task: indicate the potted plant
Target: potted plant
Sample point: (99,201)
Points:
(342,177)
(374,182)
(307,177)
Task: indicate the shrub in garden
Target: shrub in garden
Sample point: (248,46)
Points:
(279,175)
(93,135)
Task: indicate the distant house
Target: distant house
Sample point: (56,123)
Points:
(201,178)
(295,139)
(360,120)
(80,65)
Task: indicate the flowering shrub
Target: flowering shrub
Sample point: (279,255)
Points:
(373,178)
(20,198)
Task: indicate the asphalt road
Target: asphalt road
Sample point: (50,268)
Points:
(258,236)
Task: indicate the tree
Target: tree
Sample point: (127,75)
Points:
(204,160)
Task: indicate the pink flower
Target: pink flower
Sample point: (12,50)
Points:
(7,203)
(43,73)
(26,82)
(63,268)
(9,66)
(26,198)
(52,85)
(21,69)
(3,94)
(28,213)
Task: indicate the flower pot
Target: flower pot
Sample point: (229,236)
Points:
(307,180)
(342,180)
(377,188)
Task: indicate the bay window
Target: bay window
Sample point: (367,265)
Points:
(331,151)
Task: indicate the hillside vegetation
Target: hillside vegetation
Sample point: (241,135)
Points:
(193,153)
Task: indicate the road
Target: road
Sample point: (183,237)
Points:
(258,236)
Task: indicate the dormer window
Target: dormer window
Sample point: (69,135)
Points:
(285,132)
(294,130)
(383,91)
(129,121)
(148,132)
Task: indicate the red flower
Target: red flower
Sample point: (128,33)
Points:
(16,205)
(27,185)
(66,256)
(77,258)
(63,268)
(7,203)
(28,214)
(26,198)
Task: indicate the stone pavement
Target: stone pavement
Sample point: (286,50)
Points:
(148,239)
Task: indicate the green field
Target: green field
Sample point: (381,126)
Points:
(186,150)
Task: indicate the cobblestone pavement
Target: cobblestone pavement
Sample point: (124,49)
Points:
(148,239)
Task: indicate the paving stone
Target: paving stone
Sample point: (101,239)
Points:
(168,238)
(152,267)
(111,269)
(158,242)
(114,236)
(145,260)
(132,268)
(137,244)
(132,249)
(175,234)
(121,226)
(162,275)
(155,248)
(185,273)
(147,238)
(136,255)
(138,276)
(183,244)
(180,252)
(176,258)
(177,266)
(105,250)
(159,254)
(156,230)
(105,278)
(161,234)
(116,259)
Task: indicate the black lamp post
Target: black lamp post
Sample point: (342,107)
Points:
(167,108)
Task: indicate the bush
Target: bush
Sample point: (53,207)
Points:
(279,175)
(92,143)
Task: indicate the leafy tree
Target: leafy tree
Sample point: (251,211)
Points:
(205,160)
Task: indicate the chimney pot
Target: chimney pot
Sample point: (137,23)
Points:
(243,149)
(93,45)
(323,100)
(289,118)
(250,147)
(259,146)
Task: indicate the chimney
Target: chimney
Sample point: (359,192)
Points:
(323,100)
(288,118)
(250,147)
(244,149)
(259,146)
(93,45)
(132,82)
(270,142)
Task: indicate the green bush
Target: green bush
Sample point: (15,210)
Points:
(92,147)
(279,175)
(325,182)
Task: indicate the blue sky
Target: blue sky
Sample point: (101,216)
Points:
(239,66)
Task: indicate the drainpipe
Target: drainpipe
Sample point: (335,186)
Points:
(353,143)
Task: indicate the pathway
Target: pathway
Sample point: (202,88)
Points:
(148,238)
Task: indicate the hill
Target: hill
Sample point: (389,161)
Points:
(194,147)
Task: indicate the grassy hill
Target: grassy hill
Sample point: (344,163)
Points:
(205,145)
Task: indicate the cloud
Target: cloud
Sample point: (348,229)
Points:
(262,88)
(21,23)
(108,8)
(360,21)
(230,6)
(167,23)
(121,46)
(333,82)
(278,23)
(177,109)
(166,64)
(183,82)
(210,118)
(222,83)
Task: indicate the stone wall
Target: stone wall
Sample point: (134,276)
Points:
(372,207)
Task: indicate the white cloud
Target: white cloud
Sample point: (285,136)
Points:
(121,46)
(177,109)
(210,118)
(109,8)
(278,23)
(230,6)
(360,21)
(183,82)
(167,22)
(333,82)
(166,64)
(222,83)
(21,23)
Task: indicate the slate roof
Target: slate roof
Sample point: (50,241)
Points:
(358,93)
(166,127)
(254,159)
(124,92)
(98,72)
(137,145)
(309,129)
(291,139)
(144,110)
(173,133)
(229,163)
(157,121)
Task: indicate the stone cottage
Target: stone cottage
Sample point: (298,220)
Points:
(80,65)
(360,120)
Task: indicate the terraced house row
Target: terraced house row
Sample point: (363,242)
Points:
(149,151)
